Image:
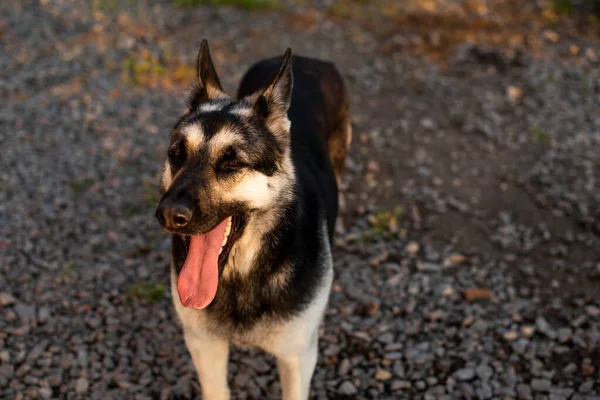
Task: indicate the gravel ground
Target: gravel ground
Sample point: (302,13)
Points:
(468,252)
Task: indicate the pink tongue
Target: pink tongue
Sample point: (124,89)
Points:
(198,279)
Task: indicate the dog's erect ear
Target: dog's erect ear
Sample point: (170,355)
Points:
(274,102)
(208,85)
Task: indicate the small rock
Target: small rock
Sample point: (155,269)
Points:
(82,385)
(55,379)
(45,393)
(586,386)
(473,294)
(183,388)
(400,385)
(556,396)
(344,367)
(485,391)
(383,375)
(454,259)
(25,312)
(22,370)
(484,372)
(448,291)
(510,336)
(37,350)
(464,374)
(387,337)
(241,378)
(527,331)
(574,49)
(394,355)
(551,36)
(258,364)
(524,392)
(428,267)
(428,123)
(347,388)
(564,335)
(412,248)
(541,385)
(544,327)
(514,92)
(43,314)
(592,311)
(587,369)
(420,385)
(6,299)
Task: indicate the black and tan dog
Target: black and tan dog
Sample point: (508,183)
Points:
(251,199)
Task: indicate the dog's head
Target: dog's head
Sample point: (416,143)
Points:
(227,158)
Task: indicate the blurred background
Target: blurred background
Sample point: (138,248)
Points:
(468,249)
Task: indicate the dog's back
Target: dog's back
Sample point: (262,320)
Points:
(320,125)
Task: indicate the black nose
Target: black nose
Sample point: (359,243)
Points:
(173,216)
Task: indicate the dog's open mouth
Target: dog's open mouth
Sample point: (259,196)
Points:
(207,254)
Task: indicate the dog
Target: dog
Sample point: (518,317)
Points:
(250,196)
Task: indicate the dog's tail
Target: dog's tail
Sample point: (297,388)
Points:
(340,138)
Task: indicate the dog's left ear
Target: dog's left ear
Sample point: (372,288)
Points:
(208,85)
(274,102)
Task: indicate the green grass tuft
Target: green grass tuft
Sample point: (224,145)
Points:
(146,292)
(68,268)
(539,135)
(385,222)
(577,6)
(79,185)
(246,4)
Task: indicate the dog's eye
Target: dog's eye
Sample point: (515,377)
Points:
(177,152)
(231,164)
(230,161)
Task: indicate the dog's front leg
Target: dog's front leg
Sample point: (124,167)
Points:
(210,356)
(296,372)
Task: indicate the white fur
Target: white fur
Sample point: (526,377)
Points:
(208,107)
(242,111)
(194,136)
(224,138)
(167,176)
(254,190)
(294,342)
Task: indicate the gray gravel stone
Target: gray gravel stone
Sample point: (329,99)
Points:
(543,326)
(484,372)
(25,312)
(524,391)
(6,299)
(400,385)
(82,386)
(564,335)
(541,385)
(586,387)
(45,393)
(347,388)
(464,374)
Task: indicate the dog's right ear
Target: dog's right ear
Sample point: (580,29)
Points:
(208,85)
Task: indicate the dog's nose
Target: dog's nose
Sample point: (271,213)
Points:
(173,216)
